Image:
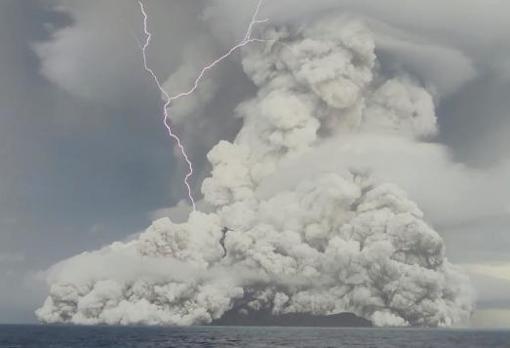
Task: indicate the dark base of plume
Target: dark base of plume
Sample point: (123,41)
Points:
(265,318)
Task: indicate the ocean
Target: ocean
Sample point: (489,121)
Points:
(21,336)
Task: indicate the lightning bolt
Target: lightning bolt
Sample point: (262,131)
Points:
(170,99)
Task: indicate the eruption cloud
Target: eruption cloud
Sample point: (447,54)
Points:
(277,233)
(170,99)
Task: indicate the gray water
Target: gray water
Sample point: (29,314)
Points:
(262,337)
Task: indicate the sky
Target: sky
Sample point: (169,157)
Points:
(85,161)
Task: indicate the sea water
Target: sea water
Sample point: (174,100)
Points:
(262,337)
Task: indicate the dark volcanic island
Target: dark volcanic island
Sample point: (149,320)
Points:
(266,318)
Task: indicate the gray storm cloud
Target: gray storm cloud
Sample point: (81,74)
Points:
(336,241)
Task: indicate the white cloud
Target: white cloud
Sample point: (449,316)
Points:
(449,192)
(98,56)
(327,242)
(328,85)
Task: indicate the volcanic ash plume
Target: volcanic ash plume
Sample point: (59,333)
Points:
(340,241)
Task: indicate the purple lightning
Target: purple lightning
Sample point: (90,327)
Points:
(169,99)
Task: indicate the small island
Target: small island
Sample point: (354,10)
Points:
(266,318)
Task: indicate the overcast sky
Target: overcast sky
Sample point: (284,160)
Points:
(84,160)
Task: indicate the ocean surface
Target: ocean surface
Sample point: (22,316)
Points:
(261,337)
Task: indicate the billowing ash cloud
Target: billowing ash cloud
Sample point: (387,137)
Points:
(337,241)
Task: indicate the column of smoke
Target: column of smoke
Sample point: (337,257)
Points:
(328,242)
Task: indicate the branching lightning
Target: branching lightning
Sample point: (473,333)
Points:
(170,99)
